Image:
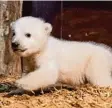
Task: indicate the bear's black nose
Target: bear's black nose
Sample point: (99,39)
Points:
(15,45)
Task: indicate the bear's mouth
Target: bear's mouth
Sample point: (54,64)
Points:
(19,50)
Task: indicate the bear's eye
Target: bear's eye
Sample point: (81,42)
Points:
(28,35)
(13,33)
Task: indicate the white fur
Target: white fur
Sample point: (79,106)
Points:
(68,62)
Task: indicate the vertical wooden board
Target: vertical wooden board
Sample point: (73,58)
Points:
(9,62)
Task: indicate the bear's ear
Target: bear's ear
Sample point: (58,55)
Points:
(48,28)
(12,24)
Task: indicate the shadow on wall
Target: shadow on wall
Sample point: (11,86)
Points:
(40,8)
(44,9)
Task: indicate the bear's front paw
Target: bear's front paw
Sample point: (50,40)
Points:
(26,85)
(22,84)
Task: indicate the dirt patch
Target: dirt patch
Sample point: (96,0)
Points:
(84,96)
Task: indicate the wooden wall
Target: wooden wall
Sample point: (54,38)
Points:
(85,21)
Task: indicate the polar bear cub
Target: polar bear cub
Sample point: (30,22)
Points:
(68,62)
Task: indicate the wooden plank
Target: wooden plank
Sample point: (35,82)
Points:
(10,64)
